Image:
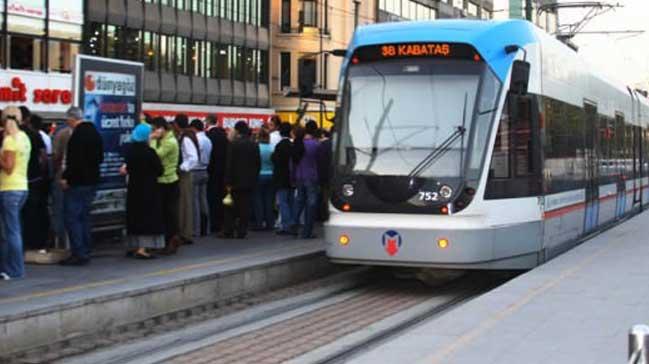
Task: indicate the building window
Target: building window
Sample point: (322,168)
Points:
(285,70)
(243,11)
(309,15)
(196,64)
(307,75)
(325,73)
(132,43)
(25,53)
(96,33)
(222,61)
(166,53)
(26,16)
(61,55)
(180,55)
(473,9)
(286,16)
(237,63)
(249,65)
(151,46)
(262,67)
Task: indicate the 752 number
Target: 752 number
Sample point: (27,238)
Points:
(428,196)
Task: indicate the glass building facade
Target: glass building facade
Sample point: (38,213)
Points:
(401,10)
(211,52)
(40,35)
(194,51)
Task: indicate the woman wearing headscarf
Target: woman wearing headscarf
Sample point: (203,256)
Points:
(144,220)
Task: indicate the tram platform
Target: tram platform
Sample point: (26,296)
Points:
(578,307)
(55,303)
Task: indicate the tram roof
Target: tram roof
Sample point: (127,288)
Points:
(489,38)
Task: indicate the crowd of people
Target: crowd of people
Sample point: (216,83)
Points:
(185,179)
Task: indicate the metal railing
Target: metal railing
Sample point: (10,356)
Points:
(639,344)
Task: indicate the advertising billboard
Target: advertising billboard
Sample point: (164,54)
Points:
(110,93)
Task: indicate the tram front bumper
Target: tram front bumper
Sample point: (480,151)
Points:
(511,247)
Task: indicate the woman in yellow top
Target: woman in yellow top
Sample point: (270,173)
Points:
(14,156)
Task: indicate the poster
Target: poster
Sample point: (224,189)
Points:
(110,93)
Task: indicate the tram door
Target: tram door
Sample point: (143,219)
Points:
(637,166)
(591,153)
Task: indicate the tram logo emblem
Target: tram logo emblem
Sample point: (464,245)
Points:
(391,241)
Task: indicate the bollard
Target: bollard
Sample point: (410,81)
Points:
(639,344)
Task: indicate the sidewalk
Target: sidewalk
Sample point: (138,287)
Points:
(577,308)
(114,289)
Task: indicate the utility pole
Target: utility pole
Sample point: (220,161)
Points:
(357,3)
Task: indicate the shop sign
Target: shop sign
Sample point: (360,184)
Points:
(226,120)
(31,91)
(32,8)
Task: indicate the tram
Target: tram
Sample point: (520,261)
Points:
(478,145)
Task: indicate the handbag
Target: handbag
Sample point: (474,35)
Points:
(227,200)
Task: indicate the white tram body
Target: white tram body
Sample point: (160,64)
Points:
(556,163)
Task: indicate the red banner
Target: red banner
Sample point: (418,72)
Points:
(225,120)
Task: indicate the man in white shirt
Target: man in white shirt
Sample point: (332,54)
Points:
(200,178)
(275,138)
(189,158)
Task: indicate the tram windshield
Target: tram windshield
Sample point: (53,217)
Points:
(424,118)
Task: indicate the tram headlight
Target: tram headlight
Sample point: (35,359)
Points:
(348,190)
(442,243)
(446,192)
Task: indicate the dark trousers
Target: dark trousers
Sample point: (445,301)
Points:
(238,215)
(35,216)
(170,193)
(307,202)
(323,213)
(215,195)
(77,202)
(264,198)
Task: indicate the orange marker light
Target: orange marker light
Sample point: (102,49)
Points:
(355,60)
(444,210)
(476,58)
(347,207)
(343,240)
(442,243)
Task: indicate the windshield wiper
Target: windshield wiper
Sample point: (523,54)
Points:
(437,153)
(377,133)
(444,147)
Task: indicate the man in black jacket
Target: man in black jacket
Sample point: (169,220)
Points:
(282,180)
(241,173)
(84,154)
(34,214)
(216,172)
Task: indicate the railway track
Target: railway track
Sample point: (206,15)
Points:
(338,327)
(327,321)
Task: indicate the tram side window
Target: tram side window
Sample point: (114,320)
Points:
(607,165)
(628,150)
(619,152)
(514,168)
(564,147)
(645,150)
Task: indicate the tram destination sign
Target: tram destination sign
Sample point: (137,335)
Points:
(412,50)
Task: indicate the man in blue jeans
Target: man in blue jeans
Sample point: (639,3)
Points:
(281,159)
(79,182)
(305,154)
